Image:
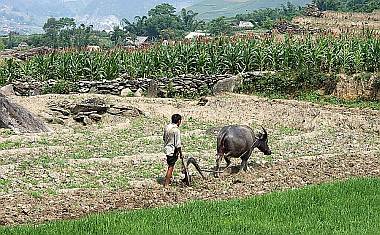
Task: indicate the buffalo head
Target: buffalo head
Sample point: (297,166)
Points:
(262,142)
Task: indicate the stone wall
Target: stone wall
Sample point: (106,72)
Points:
(359,86)
(161,87)
(183,84)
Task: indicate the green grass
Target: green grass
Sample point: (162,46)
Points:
(6,132)
(285,130)
(350,207)
(10,145)
(314,97)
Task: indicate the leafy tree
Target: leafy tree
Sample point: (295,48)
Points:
(265,18)
(219,26)
(36,40)
(12,41)
(84,35)
(164,9)
(162,17)
(162,22)
(51,28)
(2,45)
(188,20)
(118,36)
(65,33)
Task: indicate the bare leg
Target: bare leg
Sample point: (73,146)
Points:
(168,177)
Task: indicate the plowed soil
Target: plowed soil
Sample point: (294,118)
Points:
(118,163)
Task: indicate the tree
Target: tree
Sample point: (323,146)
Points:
(188,20)
(82,35)
(162,17)
(12,42)
(118,36)
(51,28)
(36,40)
(164,9)
(2,45)
(219,26)
(162,22)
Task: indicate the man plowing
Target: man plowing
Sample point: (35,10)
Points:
(172,145)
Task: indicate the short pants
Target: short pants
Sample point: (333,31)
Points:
(171,160)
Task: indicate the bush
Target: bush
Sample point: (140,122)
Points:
(290,83)
(61,87)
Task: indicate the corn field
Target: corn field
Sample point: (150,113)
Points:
(218,56)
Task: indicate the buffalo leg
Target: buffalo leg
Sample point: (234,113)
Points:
(218,159)
(244,161)
(228,161)
(244,165)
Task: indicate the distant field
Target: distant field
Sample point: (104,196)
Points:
(340,22)
(351,207)
(209,9)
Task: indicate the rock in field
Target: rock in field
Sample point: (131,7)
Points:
(126,92)
(7,90)
(19,119)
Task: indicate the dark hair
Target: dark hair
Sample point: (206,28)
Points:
(176,118)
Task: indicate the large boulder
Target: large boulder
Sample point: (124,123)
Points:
(227,85)
(153,89)
(90,105)
(7,90)
(19,119)
(126,92)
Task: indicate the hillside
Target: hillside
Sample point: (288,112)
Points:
(209,9)
(28,16)
(128,9)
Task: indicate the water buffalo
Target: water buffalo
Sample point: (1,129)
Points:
(239,141)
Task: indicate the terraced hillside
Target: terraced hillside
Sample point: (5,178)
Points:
(341,22)
(210,9)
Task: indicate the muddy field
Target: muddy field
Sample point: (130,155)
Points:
(119,163)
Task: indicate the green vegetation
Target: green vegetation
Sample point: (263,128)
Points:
(306,61)
(218,56)
(291,83)
(65,33)
(219,26)
(350,207)
(60,33)
(6,132)
(318,98)
(161,22)
(10,145)
(348,5)
(2,45)
(266,18)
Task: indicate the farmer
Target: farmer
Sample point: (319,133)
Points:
(172,144)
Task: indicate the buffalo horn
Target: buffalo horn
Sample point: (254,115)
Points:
(265,134)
